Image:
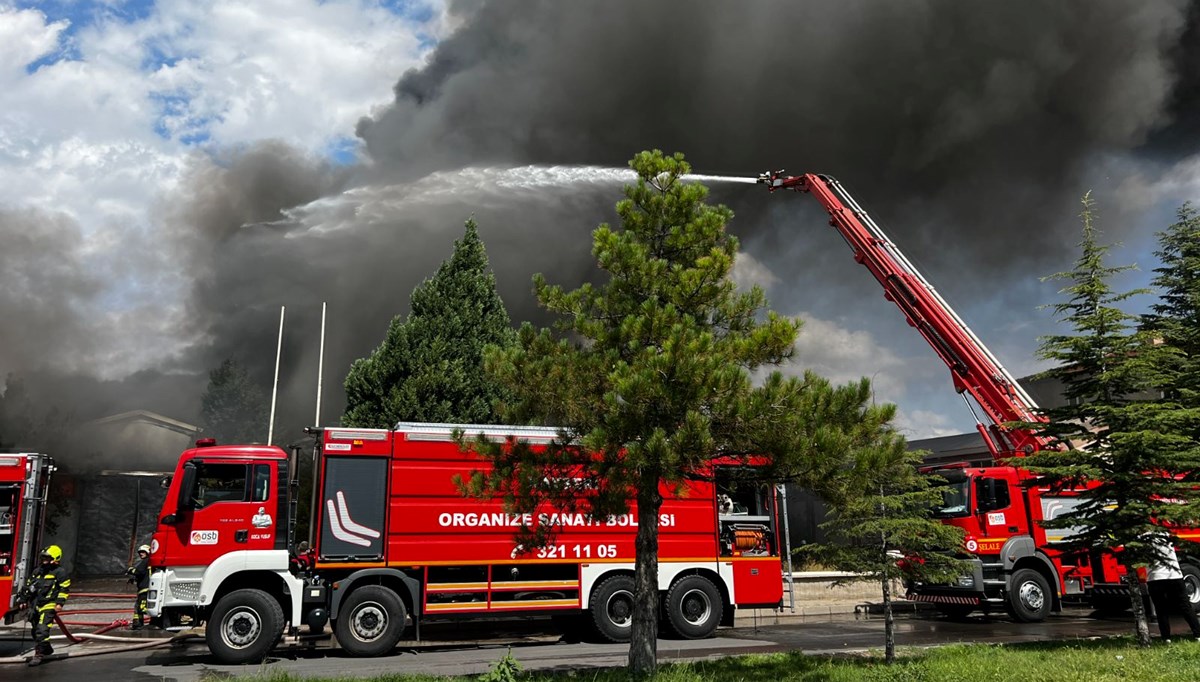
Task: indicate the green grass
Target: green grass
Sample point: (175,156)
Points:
(1092,660)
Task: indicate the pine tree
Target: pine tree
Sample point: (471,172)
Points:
(1175,320)
(1174,329)
(879,510)
(430,366)
(650,372)
(233,408)
(1114,438)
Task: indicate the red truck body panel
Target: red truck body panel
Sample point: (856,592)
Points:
(390,498)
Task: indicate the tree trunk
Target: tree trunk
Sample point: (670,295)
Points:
(889,623)
(643,644)
(1141,626)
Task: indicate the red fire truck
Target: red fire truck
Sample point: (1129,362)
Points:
(1017,565)
(24,479)
(395,541)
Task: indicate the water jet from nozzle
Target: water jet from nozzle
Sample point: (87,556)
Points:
(691,177)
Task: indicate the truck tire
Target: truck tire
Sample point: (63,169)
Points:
(1029,596)
(1191,584)
(244,627)
(694,607)
(611,608)
(370,621)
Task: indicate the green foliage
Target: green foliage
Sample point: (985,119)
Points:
(1113,431)
(507,669)
(1104,660)
(884,507)
(430,365)
(651,372)
(1174,325)
(881,513)
(233,408)
(1118,441)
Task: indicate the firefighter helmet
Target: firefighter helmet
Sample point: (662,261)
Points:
(54,552)
(144,548)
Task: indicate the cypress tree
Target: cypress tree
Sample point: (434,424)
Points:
(430,365)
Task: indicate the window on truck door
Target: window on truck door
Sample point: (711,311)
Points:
(991,494)
(221,483)
(262,483)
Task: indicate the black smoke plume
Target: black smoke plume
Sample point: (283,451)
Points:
(969,130)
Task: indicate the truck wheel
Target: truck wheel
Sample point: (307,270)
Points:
(1191,584)
(370,621)
(245,625)
(1029,596)
(611,607)
(694,607)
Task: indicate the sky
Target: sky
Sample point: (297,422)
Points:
(172,173)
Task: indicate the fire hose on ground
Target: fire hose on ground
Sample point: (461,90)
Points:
(129,643)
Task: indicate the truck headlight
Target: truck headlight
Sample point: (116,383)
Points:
(966,581)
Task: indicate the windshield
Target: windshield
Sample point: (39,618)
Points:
(955,495)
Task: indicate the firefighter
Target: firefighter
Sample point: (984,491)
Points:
(45,593)
(139,575)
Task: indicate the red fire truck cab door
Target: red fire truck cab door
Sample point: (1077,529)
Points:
(234,506)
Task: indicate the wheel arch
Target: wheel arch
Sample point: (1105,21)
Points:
(1038,562)
(590,583)
(714,578)
(269,582)
(404,585)
(1021,552)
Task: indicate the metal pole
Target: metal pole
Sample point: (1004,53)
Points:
(787,545)
(275,388)
(320,366)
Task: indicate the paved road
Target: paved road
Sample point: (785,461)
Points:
(536,648)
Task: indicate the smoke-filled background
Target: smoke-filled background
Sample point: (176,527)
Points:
(171,175)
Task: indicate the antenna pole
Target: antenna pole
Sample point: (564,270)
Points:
(275,388)
(320,366)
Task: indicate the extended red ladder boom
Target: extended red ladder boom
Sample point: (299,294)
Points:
(974,369)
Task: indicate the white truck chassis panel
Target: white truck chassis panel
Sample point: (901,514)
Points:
(196,585)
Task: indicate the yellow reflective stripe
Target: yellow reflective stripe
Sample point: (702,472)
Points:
(47,607)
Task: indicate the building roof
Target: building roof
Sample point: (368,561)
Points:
(147,417)
(962,447)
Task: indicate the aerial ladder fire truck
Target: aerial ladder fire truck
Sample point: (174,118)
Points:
(1016,564)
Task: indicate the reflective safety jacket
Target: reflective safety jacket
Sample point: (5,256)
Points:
(49,586)
(139,573)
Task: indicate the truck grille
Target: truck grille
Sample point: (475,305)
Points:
(189,591)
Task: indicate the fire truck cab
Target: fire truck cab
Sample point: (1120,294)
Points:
(1016,564)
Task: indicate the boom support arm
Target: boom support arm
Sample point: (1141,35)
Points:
(972,366)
